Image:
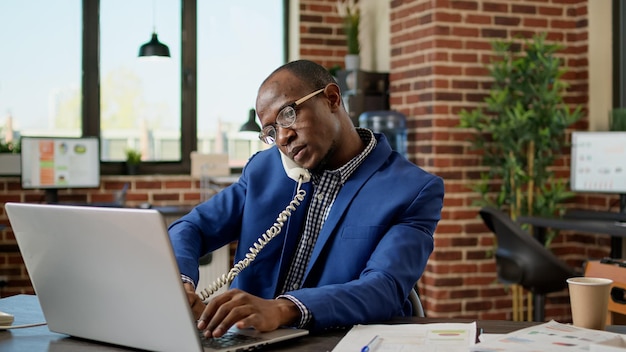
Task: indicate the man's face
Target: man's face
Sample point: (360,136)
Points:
(310,140)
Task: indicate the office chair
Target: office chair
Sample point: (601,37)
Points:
(522,260)
(414,298)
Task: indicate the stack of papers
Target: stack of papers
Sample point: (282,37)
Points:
(452,337)
(551,336)
(435,337)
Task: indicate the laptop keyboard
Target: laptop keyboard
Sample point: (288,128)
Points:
(230,339)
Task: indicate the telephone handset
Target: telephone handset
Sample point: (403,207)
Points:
(295,173)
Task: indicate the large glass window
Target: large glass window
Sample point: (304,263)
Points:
(239,43)
(71,68)
(139,97)
(40,68)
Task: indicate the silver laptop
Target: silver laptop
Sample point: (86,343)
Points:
(109,274)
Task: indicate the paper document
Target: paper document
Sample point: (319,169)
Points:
(434,337)
(551,336)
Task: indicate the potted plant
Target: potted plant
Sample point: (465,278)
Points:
(350,14)
(521,131)
(617,119)
(133,159)
(9,158)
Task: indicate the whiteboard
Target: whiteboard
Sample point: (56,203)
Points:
(598,162)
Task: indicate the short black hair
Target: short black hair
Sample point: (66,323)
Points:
(309,72)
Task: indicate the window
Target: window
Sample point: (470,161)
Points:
(40,75)
(239,43)
(139,97)
(85,77)
(619,54)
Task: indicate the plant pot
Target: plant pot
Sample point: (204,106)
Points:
(351,80)
(132,169)
(352,62)
(10,164)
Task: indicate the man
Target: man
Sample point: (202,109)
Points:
(347,252)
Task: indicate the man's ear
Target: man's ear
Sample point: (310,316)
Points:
(333,93)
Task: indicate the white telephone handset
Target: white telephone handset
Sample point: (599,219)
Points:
(296,173)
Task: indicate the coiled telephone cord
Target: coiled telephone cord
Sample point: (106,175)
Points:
(258,245)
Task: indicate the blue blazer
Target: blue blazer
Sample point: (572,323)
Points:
(370,252)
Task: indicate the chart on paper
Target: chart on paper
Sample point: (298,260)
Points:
(435,337)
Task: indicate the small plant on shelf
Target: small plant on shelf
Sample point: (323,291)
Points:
(9,158)
(9,146)
(349,12)
(133,159)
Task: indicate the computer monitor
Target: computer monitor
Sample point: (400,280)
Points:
(599,162)
(53,163)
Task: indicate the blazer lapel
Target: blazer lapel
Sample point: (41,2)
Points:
(347,194)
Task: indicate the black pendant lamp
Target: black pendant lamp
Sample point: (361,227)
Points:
(154,47)
(250,125)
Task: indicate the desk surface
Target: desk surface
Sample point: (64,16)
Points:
(26,310)
(607,227)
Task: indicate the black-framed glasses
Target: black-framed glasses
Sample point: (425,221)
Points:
(286,118)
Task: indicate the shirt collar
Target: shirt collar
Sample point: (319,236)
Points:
(344,172)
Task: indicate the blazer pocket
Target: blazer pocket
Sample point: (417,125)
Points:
(361,232)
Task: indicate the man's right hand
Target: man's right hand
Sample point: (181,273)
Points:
(197,306)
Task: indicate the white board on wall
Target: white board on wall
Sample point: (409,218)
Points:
(598,162)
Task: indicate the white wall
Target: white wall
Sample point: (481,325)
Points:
(294,30)
(374,34)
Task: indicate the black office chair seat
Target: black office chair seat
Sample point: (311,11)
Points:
(522,260)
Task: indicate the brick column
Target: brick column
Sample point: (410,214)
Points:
(439,52)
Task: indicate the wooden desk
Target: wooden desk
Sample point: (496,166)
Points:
(26,309)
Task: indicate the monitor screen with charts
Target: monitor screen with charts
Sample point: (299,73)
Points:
(53,163)
(598,162)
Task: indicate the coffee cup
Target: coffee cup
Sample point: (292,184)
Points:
(589,298)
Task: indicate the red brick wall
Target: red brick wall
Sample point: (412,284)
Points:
(322,37)
(438,52)
(157,190)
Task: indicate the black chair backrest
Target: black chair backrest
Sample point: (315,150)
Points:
(521,259)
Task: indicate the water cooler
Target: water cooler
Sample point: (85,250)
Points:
(390,123)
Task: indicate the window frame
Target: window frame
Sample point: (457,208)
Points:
(90,116)
(619,54)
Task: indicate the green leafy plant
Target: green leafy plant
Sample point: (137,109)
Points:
(617,118)
(133,157)
(334,70)
(521,131)
(9,147)
(350,14)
